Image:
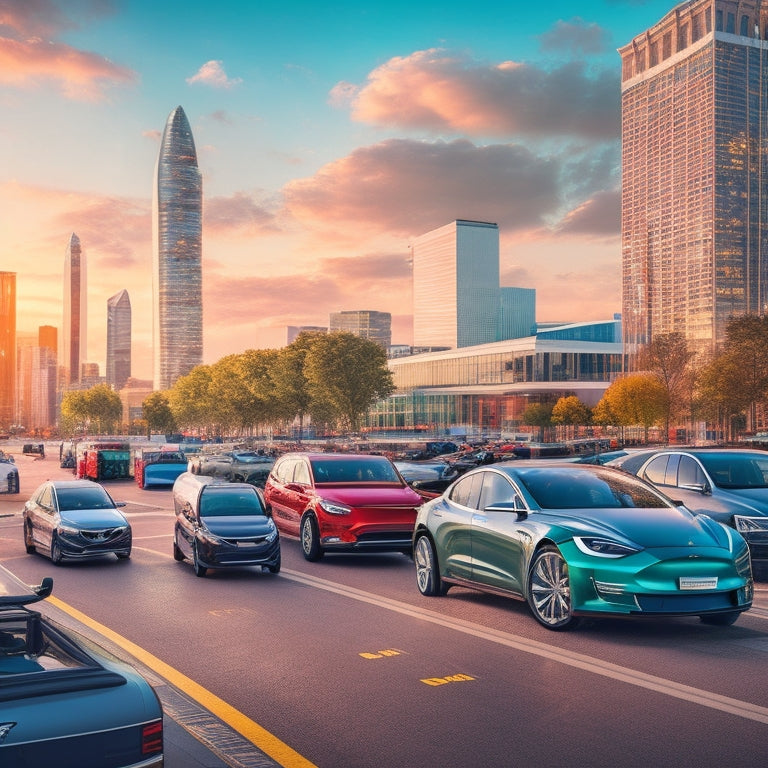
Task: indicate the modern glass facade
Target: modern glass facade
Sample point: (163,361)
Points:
(177,233)
(695,148)
(456,298)
(118,340)
(37,387)
(72,353)
(366,323)
(489,386)
(7,349)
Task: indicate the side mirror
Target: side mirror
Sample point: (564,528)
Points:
(45,588)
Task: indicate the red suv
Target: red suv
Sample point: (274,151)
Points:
(340,502)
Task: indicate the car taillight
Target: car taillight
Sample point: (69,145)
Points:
(152,738)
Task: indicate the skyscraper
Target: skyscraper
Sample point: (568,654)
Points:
(118,339)
(694,171)
(177,233)
(7,349)
(366,323)
(73,336)
(456,285)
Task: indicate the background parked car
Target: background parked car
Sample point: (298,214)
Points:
(580,539)
(234,466)
(730,485)
(9,474)
(153,466)
(342,502)
(428,478)
(222,525)
(75,520)
(63,702)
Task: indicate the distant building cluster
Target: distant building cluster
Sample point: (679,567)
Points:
(694,253)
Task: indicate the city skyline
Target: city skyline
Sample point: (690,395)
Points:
(326,143)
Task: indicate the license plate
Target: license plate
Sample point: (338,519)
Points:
(246,544)
(691,582)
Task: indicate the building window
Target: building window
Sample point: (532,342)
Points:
(719,21)
(744,31)
(730,23)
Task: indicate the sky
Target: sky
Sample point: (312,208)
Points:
(328,135)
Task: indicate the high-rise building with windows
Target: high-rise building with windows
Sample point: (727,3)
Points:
(7,349)
(456,285)
(118,339)
(694,171)
(366,323)
(72,353)
(36,406)
(177,235)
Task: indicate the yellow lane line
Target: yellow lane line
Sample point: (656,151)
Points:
(260,737)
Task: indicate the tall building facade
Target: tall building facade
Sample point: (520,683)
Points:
(366,323)
(177,235)
(118,339)
(456,285)
(72,352)
(36,407)
(694,172)
(7,349)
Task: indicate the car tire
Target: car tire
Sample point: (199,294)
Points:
(56,556)
(275,568)
(13,484)
(200,570)
(549,590)
(427,569)
(720,619)
(310,539)
(29,544)
(123,555)
(178,555)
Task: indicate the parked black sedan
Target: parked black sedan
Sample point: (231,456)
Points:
(64,703)
(75,520)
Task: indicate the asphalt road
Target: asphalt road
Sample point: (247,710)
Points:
(342,663)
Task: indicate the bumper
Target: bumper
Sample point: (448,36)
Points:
(230,555)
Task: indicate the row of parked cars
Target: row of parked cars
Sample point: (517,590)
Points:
(663,533)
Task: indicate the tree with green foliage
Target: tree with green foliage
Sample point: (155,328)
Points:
(538,415)
(98,409)
(158,415)
(637,400)
(192,401)
(346,374)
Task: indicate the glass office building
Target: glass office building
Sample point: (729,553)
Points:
(177,234)
(695,147)
(7,349)
(366,323)
(456,298)
(72,353)
(118,340)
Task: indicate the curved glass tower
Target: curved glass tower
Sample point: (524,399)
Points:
(177,235)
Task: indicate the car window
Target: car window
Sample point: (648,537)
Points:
(466,491)
(736,471)
(284,470)
(496,488)
(351,471)
(229,502)
(93,497)
(690,472)
(301,473)
(656,471)
(44,498)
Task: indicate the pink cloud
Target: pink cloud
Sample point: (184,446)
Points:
(212,73)
(239,212)
(80,75)
(410,187)
(438,91)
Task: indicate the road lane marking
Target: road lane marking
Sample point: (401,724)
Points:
(743,709)
(260,737)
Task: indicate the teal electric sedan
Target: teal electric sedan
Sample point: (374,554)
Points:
(575,540)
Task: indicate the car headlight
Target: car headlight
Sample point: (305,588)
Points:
(334,508)
(599,547)
(750,524)
(68,529)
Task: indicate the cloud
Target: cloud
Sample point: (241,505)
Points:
(237,212)
(212,73)
(575,37)
(45,18)
(601,214)
(410,187)
(438,91)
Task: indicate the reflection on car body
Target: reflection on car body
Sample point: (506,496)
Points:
(580,539)
(64,702)
(75,520)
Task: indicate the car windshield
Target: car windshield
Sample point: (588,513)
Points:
(93,497)
(229,502)
(353,471)
(736,470)
(555,488)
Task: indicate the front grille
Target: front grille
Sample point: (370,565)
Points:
(686,603)
(105,534)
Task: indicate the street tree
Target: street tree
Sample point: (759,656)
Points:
(571,412)
(538,415)
(346,374)
(637,400)
(157,413)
